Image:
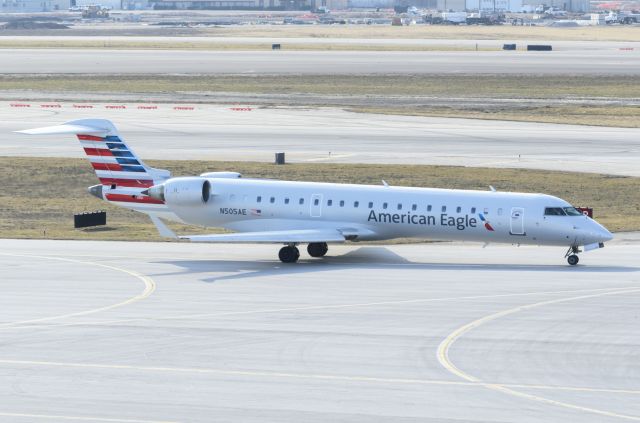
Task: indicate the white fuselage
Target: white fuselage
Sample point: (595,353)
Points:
(364,212)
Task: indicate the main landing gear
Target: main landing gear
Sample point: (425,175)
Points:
(572,255)
(291,254)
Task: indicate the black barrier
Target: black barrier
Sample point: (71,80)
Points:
(509,47)
(538,47)
(85,220)
(279,158)
(275,46)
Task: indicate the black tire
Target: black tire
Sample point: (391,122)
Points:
(289,254)
(317,249)
(573,259)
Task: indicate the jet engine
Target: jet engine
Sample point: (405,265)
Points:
(191,191)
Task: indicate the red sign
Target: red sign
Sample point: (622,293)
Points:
(587,211)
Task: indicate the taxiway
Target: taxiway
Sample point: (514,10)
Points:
(173,332)
(211,132)
(107,61)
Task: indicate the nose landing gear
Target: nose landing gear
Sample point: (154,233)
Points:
(572,255)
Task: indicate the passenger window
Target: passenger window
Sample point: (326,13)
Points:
(370,204)
(459,209)
(473,210)
(341,203)
(356,204)
(399,206)
(329,202)
(486,211)
(232,197)
(286,201)
(414,207)
(272,200)
(444,209)
(259,199)
(384,206)
(429,208)
(301,201)
(316,202)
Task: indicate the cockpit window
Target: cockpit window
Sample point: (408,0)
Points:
(572,211)
(554,211)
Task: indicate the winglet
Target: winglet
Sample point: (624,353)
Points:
(163,230)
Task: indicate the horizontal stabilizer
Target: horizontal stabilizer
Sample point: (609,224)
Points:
(66,128)
(276,237)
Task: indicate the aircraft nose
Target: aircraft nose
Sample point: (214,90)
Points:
(599,233)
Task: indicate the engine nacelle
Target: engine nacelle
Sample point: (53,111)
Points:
(191,191)
(228,175)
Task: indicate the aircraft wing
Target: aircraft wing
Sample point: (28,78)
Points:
(305,235)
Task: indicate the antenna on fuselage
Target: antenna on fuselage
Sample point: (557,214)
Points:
(385,183)
(492,188)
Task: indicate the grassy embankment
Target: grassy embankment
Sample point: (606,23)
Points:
(39,196)
(566,89)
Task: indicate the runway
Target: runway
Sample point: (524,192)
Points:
(211,132)
(106,61)
(173,332)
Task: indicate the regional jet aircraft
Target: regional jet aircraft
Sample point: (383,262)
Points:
(294,213)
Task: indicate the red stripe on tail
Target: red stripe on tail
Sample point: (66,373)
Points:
(107,166)
(89,138)
(124,198)
(131,183)
(97,152)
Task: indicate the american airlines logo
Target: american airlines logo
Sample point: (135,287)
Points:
(460,223)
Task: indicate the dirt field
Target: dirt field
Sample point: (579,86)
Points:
(40,196)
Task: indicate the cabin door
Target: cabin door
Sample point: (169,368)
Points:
(517,221)
(316,205)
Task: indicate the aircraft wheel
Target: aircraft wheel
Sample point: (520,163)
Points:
(289,254)
(573,259)
(317,249)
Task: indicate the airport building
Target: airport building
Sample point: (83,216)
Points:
(30,6)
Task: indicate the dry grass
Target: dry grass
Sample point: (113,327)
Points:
(431,85)
(615,116)
(504,32)
(221,45)
(39,196)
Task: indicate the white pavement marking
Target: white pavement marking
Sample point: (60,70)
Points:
(327,307)
(149,288)
(445,361)
(344,378)
(78,418)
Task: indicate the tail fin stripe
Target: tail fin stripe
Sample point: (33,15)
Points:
(122,174)
(129,183)
(89,138)
(97,152)
(107,166)
(127,168)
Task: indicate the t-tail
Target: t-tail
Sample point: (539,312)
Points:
(122,174)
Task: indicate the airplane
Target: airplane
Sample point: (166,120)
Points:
(316,214)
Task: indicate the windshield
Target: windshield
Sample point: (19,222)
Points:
(572,211)
(562,211)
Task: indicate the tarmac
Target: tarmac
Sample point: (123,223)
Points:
(283,62)
(211,132)
(443,332)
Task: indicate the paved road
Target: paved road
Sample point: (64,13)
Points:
(444,332)
(309,135)
(43,61)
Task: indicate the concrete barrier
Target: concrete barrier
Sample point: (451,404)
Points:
(539,47)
